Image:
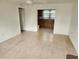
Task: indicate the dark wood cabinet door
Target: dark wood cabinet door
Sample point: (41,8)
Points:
(46,24)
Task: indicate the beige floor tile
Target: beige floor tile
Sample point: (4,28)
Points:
(37,45)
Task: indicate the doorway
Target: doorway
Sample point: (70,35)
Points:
(46,18)
(21,18)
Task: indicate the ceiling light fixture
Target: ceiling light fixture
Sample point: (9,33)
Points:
(29,1)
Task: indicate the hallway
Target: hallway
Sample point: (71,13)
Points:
(37,45)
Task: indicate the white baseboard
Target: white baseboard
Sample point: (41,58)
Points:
(74,43)
(7,38)
(31,29)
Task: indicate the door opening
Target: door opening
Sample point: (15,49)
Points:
(21,18)
(46,18)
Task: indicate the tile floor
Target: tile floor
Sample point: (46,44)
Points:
(37,45)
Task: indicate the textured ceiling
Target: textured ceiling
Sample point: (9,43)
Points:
(43,1)
(52,1)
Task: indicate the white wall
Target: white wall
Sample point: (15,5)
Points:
(9,21)
(30,18)
(63,16)
(74,26)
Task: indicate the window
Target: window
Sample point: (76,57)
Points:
(49,14)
